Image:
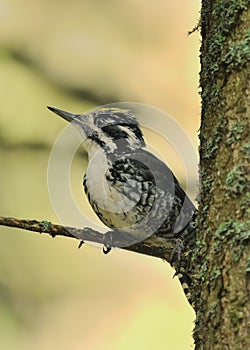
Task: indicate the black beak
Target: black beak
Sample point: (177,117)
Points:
(65,115)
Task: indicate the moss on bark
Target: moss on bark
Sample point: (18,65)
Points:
(221,293)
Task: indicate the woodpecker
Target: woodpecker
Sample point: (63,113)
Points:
(130,189)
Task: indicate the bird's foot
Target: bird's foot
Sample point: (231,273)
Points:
(175,259)
(108,242)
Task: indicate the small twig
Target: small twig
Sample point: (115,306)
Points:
(196,28)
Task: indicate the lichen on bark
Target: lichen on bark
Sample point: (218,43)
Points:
(221,263)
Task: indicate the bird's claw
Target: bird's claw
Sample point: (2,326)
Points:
(80,244)
(106,250)
(175,259)
(107,242)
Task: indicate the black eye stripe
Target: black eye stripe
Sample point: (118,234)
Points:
(136,130)
(116,132)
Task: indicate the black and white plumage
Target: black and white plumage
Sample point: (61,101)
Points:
(129,188)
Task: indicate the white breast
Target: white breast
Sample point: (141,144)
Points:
(101,191)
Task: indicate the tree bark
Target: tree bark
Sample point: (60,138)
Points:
(222,261)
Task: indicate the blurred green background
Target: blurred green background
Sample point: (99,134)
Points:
(75,55)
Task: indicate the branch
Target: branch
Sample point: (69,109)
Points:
(154,246)
(159,247)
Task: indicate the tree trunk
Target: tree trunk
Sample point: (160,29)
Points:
(222,262)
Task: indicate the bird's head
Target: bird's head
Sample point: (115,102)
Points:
(112,129)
